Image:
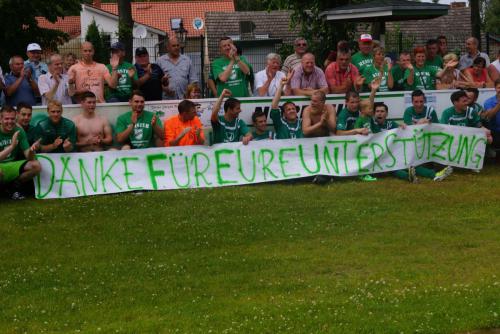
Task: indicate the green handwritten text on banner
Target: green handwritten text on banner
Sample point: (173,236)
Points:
(83,174)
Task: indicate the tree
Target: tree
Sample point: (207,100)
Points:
(475,20)
(492,17)
(321,35)
(19,27)
(125,25)
(101,53)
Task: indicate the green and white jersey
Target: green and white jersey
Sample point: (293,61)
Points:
(469,118)
(371,73)
(228,131)
(285,129)
(361,61)
(124,86)
(263,136)
(387,125)
(412,117)
(6,140)
(346,119)
(142,136)
(425,77)
(48,132)
(436,62)
(237,82)
(400,76)
(364,122)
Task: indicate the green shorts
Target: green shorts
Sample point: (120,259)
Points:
(9,171)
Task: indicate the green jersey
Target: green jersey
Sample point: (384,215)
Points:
(263,136)
(228,131)
(371,73)
(361,61)
(412,117)
(469,118)
(400,77)
(6,140)
(436,62)
(143,134)
(237,82)
(346,119)
(48,132)
(387,125)
(364,122)
(425,77)
(124,87)
(285,129)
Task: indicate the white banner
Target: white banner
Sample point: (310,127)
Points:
(84,174)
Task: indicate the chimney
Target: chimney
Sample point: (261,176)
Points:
(96,3)
(455,5)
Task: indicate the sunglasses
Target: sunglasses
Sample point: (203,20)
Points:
(301,44)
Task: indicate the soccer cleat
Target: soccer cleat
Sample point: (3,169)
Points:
(367,178)
(443,174)
(321,179)
(412,175)
(17,196)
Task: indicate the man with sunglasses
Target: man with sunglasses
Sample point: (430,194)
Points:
(300,48)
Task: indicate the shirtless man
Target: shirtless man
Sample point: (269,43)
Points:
(93,131)
(319,119)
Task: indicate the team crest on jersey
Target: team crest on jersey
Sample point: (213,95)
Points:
(138,133)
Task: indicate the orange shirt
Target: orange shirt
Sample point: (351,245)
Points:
(174,126)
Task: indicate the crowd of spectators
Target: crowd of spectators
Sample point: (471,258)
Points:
(64,80)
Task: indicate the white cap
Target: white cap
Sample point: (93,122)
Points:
(366,38)
(33,47)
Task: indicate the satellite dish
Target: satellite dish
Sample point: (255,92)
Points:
(139,32)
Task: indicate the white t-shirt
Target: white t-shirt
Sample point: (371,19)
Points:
(496,63)
(261,78)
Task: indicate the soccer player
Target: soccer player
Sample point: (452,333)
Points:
(319,118)
(138,128)
(288,125)
(259,119)
(24,114)
(12,140)
(419,113)
(380,124)
(228,128)
(93,131)
(184,129)
(57,134)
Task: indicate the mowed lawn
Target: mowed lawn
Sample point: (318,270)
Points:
(348,257)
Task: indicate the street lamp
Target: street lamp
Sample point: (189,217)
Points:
(181,35)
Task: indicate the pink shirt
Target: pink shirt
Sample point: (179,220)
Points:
(90,77)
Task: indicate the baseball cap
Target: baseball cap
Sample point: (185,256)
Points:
(141,51)
(365,38)
(33,47)
(118,46)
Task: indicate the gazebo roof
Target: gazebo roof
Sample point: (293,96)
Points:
(385,10)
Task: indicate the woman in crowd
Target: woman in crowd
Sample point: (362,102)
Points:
(479,74)
(450,76)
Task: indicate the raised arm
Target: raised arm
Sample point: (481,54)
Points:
(277,96)
(215,110)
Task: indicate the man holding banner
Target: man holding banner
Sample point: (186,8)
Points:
(138,128)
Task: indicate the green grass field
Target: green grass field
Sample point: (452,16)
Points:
(349,257)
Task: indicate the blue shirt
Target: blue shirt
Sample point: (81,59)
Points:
(24,93)
(494,122)
(36,69)
(181,74)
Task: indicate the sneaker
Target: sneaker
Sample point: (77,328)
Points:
(443,174)
(412,175)
(320,179)
(367,178)
(17,196)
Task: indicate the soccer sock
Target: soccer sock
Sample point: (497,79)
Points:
(425,172)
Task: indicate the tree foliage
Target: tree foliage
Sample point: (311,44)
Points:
(101,51)
(19,27)
(492,17)
(321,35)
